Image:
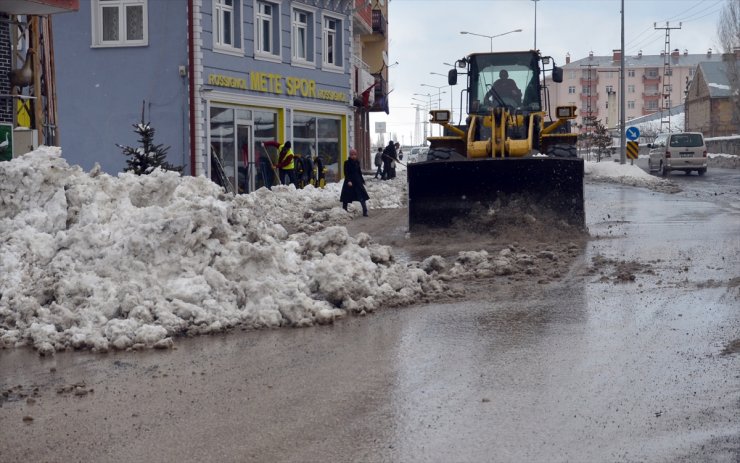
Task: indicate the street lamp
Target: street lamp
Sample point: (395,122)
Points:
(424,122)
(535,23)
(491,37)
(444,75)
(439,98)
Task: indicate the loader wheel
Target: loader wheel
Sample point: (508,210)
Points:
(443,154)
(562,150)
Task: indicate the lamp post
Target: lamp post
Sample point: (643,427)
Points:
(424,123)
(535,23)
(491,37)
(444,75)
(439,98)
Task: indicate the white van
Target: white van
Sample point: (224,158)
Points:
(678,151)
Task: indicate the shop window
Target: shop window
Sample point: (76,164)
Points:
(302,33)
(227,25)
(319,136)
(238,161)
(119,23)
(223,148)
(267,31)
(332,42)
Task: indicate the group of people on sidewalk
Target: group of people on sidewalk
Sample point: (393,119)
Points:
(385,160)
(291,169)
(353,188)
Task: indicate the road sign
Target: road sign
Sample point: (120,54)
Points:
(632,149)
(632,133)
(380,127)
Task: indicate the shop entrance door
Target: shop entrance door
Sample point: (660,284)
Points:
(245,158)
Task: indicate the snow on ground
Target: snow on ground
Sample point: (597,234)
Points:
(627,174)
(93,261)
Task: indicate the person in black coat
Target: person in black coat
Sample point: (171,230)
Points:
(353,188)
(389,157)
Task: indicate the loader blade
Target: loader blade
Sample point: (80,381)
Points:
(442,193)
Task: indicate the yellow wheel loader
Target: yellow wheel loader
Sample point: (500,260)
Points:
(508,151)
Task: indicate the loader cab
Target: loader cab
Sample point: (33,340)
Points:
(510,79)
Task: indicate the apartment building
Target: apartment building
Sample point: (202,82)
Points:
(652,82)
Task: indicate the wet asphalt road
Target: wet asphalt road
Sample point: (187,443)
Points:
(629,358)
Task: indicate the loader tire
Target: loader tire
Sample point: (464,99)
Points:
(562,150)
(444,154)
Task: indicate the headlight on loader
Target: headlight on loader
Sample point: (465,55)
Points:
(440,115)
(565,112)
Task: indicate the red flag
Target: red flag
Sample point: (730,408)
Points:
(366,95)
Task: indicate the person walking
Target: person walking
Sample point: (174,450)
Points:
(353,188)
(379,162)
(389,156)
(286,162)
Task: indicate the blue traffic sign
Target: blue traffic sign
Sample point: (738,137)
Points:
(632,133)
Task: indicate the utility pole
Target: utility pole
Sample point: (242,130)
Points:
(622,108)
(590,119)
(535,23)
(667,73)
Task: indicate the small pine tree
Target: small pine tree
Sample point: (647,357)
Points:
(144,159)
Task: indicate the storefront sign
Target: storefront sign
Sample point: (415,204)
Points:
(277,84)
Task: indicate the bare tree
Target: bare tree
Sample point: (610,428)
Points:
(728,32)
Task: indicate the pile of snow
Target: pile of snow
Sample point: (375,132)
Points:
(88,260)
(626,174)
(93,261)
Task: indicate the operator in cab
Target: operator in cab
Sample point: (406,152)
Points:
(503,92)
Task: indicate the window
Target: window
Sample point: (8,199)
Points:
(267,30)
(572,89)
(609,89)
(227,29)
(586,90)
(630,89)
(302,32)
(571,74)
(119,23)
(630,73)
(321,137)
(332,38)
(630,105)
(652,105)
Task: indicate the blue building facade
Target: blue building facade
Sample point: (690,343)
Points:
(216,79)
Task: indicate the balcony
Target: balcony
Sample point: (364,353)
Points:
(380,23)
(646,111)
(585,81)
(593,97)
(363,17)
(654,95)
(651,79)
(585,114)
(380,102)
(39,7)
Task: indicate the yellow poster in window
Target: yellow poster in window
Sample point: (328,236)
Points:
(23,113)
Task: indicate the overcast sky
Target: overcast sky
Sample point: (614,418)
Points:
(424,34)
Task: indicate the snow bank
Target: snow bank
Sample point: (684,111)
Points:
(88,260)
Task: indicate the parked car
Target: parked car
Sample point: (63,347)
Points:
(414,154)
(684,151)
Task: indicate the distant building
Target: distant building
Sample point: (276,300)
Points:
(653,82)
(709,102)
